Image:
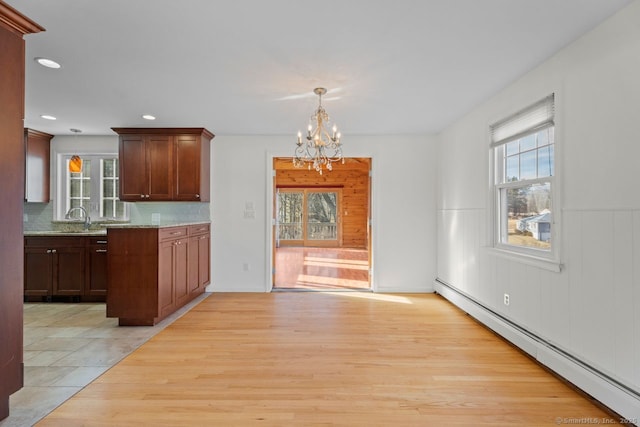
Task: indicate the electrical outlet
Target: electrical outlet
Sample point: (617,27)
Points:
(506,299)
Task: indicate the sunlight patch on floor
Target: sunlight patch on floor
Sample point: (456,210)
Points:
(333,281)
(378,297)
(334,264)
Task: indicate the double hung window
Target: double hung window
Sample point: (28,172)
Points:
(524,169)
(95,188)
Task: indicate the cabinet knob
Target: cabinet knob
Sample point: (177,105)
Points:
(197,196)
(142,196)
(48,251)
(53,251)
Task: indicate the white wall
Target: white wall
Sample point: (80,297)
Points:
(591,309)
(403,205)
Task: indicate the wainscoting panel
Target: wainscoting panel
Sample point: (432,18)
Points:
(585,311)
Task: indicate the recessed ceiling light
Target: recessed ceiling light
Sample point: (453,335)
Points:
(48,117)
(49,63)
(148,117)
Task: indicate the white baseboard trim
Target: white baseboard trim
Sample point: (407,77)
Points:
(618,397)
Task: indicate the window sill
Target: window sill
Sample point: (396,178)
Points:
(544,263)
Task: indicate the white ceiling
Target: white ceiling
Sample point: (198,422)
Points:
(250,66)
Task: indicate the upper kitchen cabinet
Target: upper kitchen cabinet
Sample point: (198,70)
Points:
(164,164)
(145,167)
(36,183)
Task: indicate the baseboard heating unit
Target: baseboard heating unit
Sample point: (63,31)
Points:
(619,397)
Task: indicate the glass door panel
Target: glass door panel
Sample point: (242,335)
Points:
(322,217)
(289,230)
(307,217)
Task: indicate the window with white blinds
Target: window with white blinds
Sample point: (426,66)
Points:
(535,117)
(524,167)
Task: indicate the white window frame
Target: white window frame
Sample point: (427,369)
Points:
(62,200)
(499,137)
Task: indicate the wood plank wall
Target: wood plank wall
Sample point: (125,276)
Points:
(352,177)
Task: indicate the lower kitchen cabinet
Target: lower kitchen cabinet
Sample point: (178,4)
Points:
(53,267)
(199,257)
(172,286)
(96,271)
(152,272)
(56,267)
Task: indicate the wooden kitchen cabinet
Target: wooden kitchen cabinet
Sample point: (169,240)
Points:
(151,271)
(96,271)
(160,164)
(172,254)
(54,266)
(13,27)
(65,266)
(199,257)
(37,166)
(146,167)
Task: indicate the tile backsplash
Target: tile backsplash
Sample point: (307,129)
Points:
(39,216)
(168,212)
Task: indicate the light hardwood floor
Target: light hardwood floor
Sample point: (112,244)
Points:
(321,268)
(66,346)
(325,358)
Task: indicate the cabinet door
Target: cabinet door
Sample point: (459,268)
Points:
(38,272)
(181,272)
(96,283)
(69,271)
(159,166)
(204,260)
(187,174)
(37,166)
(166,300)
(134,184)
(192,260)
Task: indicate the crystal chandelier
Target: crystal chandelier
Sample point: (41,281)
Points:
(321,148)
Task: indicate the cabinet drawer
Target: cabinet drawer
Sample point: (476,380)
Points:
(54,242)
(97,241)
(171,233)
(199,229)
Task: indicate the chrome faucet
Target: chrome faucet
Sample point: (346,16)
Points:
(87,218)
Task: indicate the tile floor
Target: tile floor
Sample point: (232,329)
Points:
(66,346)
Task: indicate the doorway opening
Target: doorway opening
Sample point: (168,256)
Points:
(321,233)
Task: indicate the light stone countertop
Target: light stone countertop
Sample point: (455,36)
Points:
(103,231)
(161,225)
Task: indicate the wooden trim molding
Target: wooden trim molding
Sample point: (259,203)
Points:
(164,131)
(17,22)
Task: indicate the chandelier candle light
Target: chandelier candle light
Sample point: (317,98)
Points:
(321,148)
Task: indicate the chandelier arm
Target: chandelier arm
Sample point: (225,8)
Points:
(321,147)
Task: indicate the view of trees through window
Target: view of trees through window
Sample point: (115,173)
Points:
(321,216)
(307,215)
